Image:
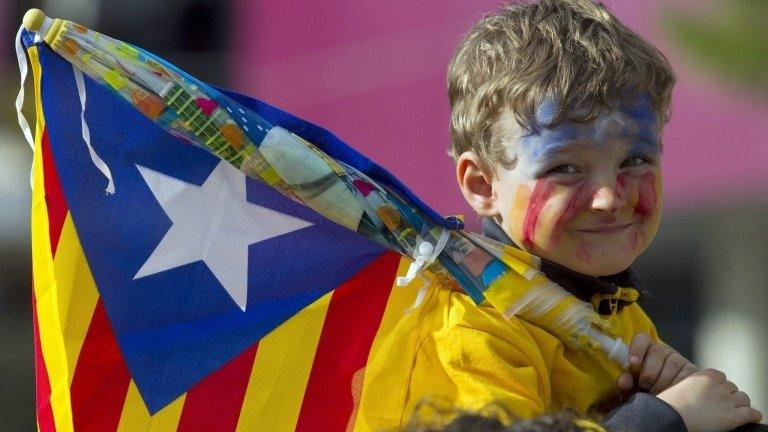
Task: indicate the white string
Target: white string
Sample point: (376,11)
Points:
(22,58)
(23,124)
(422,293)
(100,164)
(423,256)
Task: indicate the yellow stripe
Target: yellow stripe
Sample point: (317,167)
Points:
(77,294)
(45,289)
(136,417)
(505,291)
(400,301)
(281,370)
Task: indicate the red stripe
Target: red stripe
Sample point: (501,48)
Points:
(351,323)
(54,195)
(42,383)
(101,378)
(214,404)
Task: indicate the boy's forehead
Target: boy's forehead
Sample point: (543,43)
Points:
(634,121)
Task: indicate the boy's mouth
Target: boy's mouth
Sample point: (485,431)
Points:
(607,228)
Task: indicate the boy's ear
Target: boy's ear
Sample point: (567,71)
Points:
(476,185)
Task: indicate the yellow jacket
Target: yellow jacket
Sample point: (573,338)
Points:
(451,350)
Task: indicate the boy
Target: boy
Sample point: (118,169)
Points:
(557,113)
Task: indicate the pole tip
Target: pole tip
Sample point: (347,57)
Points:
(33,19)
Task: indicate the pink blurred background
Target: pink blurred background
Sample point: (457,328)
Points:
(374,72)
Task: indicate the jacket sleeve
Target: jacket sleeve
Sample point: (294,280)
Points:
(645,413)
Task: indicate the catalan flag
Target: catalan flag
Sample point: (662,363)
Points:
(195,298)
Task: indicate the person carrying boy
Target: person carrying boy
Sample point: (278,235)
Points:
(557,111)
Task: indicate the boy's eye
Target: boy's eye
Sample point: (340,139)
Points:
(564,169)
(635,161)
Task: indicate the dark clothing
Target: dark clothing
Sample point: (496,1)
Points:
(644,413)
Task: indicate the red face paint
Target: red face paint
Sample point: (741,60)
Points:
(646,201)
(583,254)
(576,203)
(540,195)
(621,184)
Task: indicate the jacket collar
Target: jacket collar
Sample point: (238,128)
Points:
(582,286)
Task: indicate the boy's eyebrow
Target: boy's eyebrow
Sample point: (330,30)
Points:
(650,139)
(544,150)
(643,143)
(541,148)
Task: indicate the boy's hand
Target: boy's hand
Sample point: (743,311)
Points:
(655,365)
(708,402)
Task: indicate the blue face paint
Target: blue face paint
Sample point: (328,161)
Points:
(640,110)
(634,122)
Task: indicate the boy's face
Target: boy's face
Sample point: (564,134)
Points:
(587,196)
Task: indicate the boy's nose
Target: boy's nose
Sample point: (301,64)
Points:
(608,199)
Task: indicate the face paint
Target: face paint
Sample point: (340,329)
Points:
(554,203)
(539,197)
(583,254)
(634,121)
(621,182)
(645,122)
(646,200)
(519,206)
(576,204)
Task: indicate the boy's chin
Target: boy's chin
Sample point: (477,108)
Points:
(602,262)
(598,267)
(605,257)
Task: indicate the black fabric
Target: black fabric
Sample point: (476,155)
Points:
(644,413)
(578,284)
(752,427)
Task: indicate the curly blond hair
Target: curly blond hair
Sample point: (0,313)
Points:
(573,52)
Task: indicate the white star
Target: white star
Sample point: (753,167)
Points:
(213,223)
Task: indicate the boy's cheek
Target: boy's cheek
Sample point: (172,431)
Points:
(646,197)
(539,214)
(517,210)
(571,205)
(649,206)
(648,194)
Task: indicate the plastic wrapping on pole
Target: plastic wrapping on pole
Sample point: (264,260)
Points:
(203,116)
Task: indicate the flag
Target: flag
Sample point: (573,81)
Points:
(194,298)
